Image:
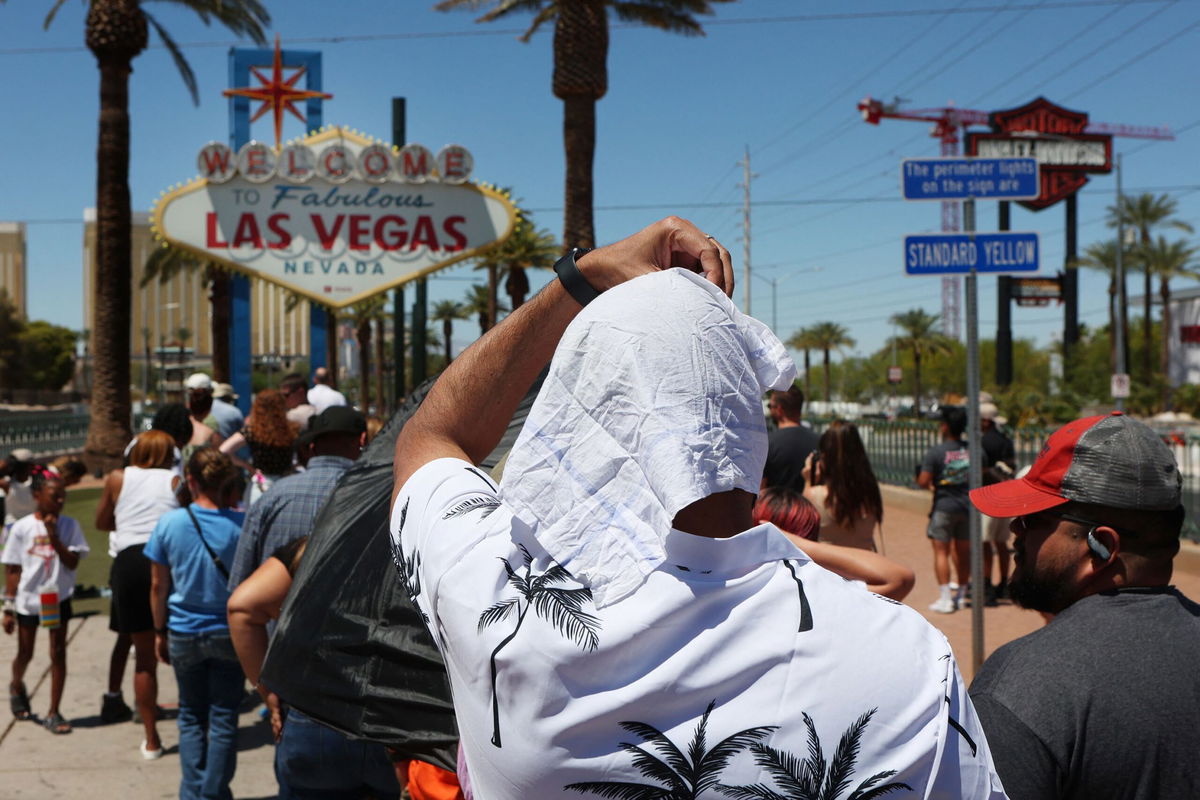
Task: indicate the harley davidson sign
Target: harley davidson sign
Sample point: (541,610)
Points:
(1054,136)
(335,217)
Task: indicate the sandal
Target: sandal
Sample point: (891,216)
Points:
(18,701)
(56,724)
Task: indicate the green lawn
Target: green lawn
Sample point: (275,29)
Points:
(93,570)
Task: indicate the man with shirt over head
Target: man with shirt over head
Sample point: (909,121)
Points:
(1105,700)
(613,620)
(790,443)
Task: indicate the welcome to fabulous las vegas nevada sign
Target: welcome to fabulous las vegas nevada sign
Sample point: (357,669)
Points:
(335,216)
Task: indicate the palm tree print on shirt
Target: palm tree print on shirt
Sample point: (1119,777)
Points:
(561,607)
(811,778)
(679,775)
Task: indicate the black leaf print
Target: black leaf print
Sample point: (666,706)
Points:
(561,607)
(677,775)
(806,619)
(962,732)
(485,502)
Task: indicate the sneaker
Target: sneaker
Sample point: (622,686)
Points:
(943,605)
(150,755)
(113,709)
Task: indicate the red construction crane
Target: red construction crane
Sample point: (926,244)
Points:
(948,121)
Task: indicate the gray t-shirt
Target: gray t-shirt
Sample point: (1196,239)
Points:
(1102,702)
(949,463)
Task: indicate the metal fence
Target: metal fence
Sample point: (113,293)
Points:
(48,433)
(896,449)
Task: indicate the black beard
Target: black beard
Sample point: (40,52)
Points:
(1046,592)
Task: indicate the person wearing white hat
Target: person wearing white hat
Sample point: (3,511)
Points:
(199,403)
(614,622)
(229,419)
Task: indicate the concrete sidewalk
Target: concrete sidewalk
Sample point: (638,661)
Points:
(102,761)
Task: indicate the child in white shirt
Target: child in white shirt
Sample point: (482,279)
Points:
(42,548)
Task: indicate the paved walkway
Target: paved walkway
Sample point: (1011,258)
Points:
(102,761)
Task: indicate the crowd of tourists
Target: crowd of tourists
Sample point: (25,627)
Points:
(671,591)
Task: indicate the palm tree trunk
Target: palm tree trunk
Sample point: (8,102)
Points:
(493,273)
(447,330)
(1147,358)
(579,139)
(331,346)
(109,429)
(827,375)
(222,322)
(917,382)
(379,400)
(517,285)
(807,381)
(364,363)
(496,700)
(1165,294)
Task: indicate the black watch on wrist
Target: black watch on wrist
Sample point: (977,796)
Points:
(572,279)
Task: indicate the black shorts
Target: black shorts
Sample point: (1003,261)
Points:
(130,582)
(34,620)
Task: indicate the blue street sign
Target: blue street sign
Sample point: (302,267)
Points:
(963,178)
(959,253)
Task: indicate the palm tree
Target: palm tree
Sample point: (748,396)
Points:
(480,302)
(527,248)
(364,313)
(446,311)
(581,74)
(828,336)
(1143,213)
(165,263)
(921,337)
(562,608)
(1102,256)
(686,775)
(802,340)
(1168,260)
(117,31)
(810,778)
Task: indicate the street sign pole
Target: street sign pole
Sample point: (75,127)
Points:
(974,447)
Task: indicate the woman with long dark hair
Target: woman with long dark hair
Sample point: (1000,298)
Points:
(841,484)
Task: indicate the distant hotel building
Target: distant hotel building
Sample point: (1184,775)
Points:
(12,264)
(161,311)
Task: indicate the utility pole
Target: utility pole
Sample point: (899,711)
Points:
(746,178)
(399,139)
(1122,365)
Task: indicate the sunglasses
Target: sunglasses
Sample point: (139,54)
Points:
(1029,521)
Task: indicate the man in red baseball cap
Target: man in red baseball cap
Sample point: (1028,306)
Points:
(1105,700)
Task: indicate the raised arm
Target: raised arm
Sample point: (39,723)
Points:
(880,574)
(471,404)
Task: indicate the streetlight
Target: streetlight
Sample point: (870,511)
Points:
(775,282)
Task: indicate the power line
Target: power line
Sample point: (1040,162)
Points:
(829,17)
(1152,49)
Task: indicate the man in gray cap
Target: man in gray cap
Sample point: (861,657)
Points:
(1103,701)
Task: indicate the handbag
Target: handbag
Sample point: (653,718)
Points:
(212,553)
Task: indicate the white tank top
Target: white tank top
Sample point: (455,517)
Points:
(145,496)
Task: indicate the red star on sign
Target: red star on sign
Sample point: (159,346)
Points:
(276,93)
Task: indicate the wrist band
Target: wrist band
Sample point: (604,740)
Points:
(161,631)
(572,279)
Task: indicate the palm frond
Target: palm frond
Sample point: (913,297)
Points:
(787,770)
(654,15)
(654,768)
(620,791)
(814,766)
(841,767)
(715,760)
(557,606)
(241,17)
(699,744)
(557,573)
(497,612)
(756,791)
(868,791)
(165,263)
(181,64)
(516,580)
(659,739)
(53,11)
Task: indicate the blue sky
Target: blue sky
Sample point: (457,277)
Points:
(780,77)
